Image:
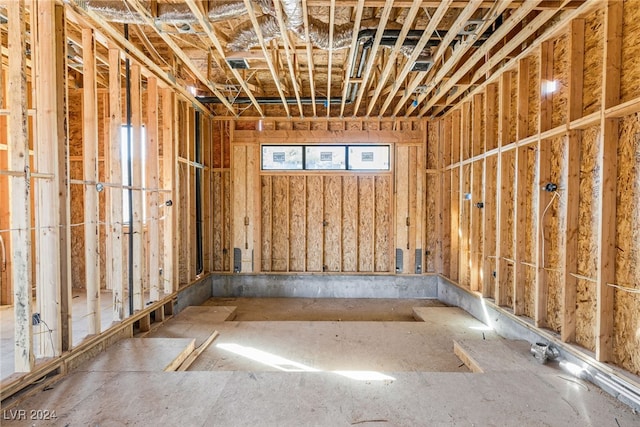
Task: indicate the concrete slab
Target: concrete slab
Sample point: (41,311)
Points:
(205,314)
(403,395)
(376,346)
(197,322)
(327,309)
(324,399)
(141,355)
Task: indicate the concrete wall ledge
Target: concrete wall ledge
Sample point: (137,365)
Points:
(324,286)
(620,384)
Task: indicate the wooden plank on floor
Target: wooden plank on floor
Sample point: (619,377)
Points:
(141,355)
(197,352)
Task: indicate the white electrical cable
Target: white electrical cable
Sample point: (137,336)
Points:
(625,288)
(555,194)
(3,262)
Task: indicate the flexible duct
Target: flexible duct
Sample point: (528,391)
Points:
(119,11)
(293,11)
(246,37)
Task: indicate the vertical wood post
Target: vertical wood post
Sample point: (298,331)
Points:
(151,169)
(168,168)
(46,79)
(115,258)
(90,168)
(136,223)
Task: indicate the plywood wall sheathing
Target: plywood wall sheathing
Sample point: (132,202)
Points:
(587,239)
(554,238)
(626,340)
(608,165)
(366,224)
(531,230)
(570,180)
(560,77)
(506,252)
(297,224)
(332,195)
(533,94)
(592,71)
(315,228)
(630,71)
(350,223)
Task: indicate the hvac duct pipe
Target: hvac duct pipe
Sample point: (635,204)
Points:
(119,11)
(270,100)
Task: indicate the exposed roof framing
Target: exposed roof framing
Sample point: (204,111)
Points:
(148,18)
(382,57)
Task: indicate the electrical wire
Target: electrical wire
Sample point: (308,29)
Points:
(625,288)
(555,194)
(3,264)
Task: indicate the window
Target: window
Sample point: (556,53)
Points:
(126,155)
(368,157)
(282,157)
(326,157)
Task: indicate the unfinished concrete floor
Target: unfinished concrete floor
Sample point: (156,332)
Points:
(298,372)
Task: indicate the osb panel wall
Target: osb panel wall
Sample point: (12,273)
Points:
(479,125)
(626,340)
(477,221)
(383,217)
(553,235)
(431,218)
(593,52)
(531,225)
(513,110)
(454,215)
(627,315)
(587,238)
(507,213)
(432,145)
(325,223)
(465,227)
(629,88)
(446,224)
(490,212)
(491,120)
(75,130)
(533,117)
(561,77)
(220,141)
